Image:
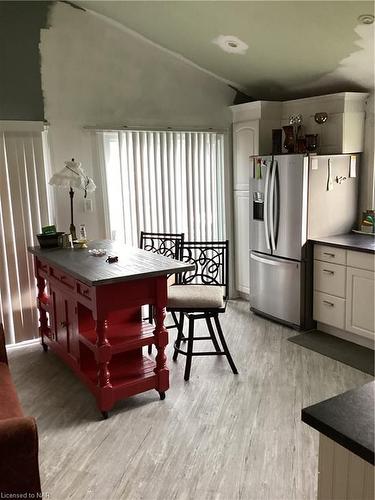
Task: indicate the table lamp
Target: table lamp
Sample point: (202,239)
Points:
(73,176)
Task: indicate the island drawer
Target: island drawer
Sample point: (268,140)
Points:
(42,266)
(361,260)
(330,254)
(329,278)
(329,309)
(62,278)
(84,290)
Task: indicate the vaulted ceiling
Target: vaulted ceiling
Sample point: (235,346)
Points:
(295,48)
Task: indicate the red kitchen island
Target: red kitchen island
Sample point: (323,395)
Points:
(90,316)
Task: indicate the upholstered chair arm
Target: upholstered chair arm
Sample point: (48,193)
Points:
(19,469)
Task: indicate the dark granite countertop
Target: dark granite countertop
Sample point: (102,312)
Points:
(347,419)
(350,241)
(133,263)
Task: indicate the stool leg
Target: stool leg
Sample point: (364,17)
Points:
(180,333)
(189,352)
(150,316)
(212,334)
(224,344)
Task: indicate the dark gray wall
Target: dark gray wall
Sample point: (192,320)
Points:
(21,95)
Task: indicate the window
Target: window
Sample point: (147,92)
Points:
(163,182)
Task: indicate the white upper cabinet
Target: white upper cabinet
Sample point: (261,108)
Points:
(252,135)
(245,145)
(343,131)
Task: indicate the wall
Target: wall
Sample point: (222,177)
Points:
(97,73)
(367,187)
(20,84)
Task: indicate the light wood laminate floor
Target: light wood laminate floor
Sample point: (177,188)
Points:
(217,436)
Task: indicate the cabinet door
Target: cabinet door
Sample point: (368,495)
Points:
(64,321)
(241,231)
(245,144)
(360,302)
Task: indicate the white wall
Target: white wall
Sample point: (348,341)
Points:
(96,73)
(367,194)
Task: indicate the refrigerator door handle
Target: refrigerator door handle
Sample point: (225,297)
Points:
(266,207)
(272,199)
(277,203)
(273,262)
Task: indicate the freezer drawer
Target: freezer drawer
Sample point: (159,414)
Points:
(275,287)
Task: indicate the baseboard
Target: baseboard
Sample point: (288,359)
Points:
(343,334)
(25,343)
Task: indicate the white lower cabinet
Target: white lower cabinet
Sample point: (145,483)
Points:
(329,310)
(344,292)
(241,238)
(360,299)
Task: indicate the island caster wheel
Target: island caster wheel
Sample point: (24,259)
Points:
(104,415)
(45,347)
(162,395)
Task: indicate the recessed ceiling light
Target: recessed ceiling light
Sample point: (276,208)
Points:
(231,44)
(366,19)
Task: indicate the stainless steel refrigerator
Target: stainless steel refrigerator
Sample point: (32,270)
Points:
(294,198)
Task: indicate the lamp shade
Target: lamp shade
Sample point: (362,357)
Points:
(73,176)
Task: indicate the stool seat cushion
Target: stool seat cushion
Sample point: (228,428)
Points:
(195,297)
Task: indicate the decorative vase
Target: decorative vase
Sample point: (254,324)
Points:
(289,138)
(311,142)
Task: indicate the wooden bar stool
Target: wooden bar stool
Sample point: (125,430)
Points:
(201,294)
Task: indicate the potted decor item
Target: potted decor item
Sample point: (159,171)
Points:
(289,138)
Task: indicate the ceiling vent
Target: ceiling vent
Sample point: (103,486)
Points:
(231,44)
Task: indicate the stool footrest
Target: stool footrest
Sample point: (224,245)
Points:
(200,353)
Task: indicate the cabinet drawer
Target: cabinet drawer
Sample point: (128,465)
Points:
(63,278)
(330,254)
(329,309)
(42,267)
(361,260)
(329,278)
(84,290)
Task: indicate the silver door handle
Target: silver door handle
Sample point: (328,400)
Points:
(273,262)
(272,192)
(330,304)
(328,271)
(266,196)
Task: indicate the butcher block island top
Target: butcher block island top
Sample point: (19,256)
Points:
(133,263)
(90,316)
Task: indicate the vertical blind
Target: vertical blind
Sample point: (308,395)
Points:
(163,182)
(24,208)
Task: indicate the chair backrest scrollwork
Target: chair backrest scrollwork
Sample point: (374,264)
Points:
(211,263)
(167,244)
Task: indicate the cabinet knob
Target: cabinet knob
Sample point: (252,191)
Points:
(330,304)
(329,254)
(328,271)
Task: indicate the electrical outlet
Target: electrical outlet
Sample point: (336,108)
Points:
(87,203)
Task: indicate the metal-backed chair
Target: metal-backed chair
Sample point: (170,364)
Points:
(201,294)
(167,244)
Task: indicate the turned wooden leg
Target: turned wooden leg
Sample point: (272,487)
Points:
(161,340)
(42,298)
(103,357)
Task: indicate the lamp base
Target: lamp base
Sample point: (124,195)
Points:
(72,230)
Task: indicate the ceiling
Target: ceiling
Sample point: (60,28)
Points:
(295,48)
